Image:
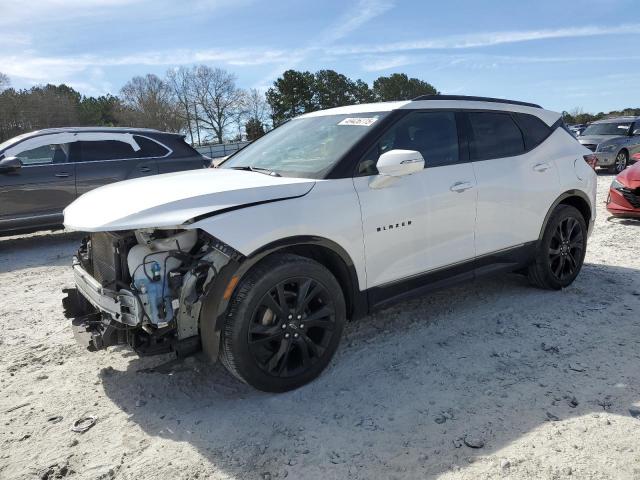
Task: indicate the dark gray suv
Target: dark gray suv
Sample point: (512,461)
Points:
(44,171)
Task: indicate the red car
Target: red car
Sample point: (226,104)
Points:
(624,194)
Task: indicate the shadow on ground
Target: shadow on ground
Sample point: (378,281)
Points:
(488,361)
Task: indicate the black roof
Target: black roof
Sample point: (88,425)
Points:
(475,99)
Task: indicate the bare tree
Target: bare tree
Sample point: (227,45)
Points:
(150,103)
(256,106)
(181,82)
(220,102)
(4,81)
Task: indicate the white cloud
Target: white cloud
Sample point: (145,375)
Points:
(34,68)
(354,18)
(386,63)
(47,11)
(485,39)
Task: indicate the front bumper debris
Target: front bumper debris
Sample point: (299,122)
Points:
(122,306)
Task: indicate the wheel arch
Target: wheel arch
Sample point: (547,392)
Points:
(575,198)
(326,252)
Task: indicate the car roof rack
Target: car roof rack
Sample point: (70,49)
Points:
(475,99)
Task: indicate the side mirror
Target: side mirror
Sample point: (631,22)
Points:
(398,163)
(10,164)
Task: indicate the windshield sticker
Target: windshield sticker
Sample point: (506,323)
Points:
(359,121)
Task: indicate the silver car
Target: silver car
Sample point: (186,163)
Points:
(615,141)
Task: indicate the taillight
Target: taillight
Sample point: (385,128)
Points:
(591,160)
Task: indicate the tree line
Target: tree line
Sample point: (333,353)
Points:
(202,102)
(579,116)
(206,104)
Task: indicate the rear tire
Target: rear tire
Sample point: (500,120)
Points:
(283,324)
(560,253)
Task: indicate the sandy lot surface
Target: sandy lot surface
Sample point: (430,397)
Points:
(492,379)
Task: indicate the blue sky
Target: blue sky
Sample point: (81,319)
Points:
(561,54)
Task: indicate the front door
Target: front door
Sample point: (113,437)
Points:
(424,221)
(36,194)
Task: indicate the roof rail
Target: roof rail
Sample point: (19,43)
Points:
(475,99)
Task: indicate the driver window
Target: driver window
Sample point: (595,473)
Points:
(46,154)
(433,134)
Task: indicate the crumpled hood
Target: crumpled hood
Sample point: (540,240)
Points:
(171,199)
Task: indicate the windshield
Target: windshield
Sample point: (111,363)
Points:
(609,128)
(11,141)
(305,147)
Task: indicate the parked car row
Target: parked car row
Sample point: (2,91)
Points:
(614,141)
(44,171)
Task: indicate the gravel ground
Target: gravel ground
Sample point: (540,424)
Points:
(492,379)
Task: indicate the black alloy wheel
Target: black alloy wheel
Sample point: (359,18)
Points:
(566,248)
(292,327)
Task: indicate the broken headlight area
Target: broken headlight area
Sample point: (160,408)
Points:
(144,288)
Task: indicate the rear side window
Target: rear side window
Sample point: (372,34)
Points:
(105,150)
(494,135)
(535,131)
(149,148)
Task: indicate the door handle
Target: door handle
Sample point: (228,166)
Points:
(541,167)
(62,175)
(460,187)
(145,169)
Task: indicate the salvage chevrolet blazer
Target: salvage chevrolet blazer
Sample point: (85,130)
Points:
(261,261)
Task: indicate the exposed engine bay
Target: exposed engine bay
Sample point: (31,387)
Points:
(144,288)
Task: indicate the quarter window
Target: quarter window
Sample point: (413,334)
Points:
(535,131)
(494,135)
(149,148)
(44,155)
(433,134)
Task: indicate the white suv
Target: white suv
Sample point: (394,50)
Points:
(335,213)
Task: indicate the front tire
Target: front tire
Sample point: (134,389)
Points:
(284,323)
(560,253)
(622,160)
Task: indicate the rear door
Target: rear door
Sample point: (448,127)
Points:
(517,179)
(36,194)
(99,162)
(424,221)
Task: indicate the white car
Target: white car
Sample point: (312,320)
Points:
(261,261)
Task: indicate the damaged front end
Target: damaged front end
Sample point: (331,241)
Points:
(145,288)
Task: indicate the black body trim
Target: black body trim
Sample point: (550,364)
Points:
(475,99)
(559,200)
(507,260)
(359,306)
